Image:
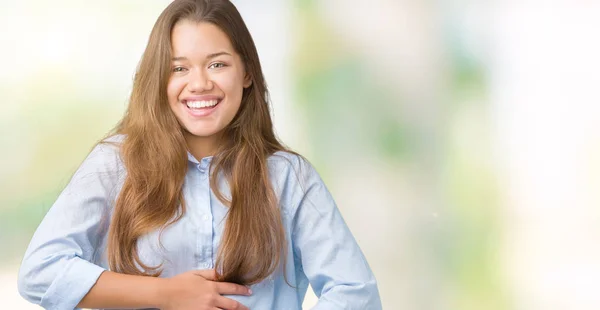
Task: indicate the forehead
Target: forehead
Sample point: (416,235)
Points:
(189,37)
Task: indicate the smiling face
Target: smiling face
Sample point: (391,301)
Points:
(206,84)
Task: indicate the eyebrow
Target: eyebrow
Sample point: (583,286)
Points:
(209,56)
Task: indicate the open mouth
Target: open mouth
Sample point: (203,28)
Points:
(201,104)
(201,108)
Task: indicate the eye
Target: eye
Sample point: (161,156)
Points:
(217,65)
(178,69)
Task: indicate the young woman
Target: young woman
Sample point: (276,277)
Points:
(192,203)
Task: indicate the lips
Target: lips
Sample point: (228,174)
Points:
(200,107)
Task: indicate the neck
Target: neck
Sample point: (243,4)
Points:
(202,147)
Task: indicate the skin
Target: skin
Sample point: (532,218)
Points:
(205,65)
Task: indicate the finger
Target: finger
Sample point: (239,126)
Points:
(227,288)
(208,274)
(229,304)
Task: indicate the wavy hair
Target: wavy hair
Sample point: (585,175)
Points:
(154,153)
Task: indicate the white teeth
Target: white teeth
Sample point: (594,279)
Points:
(201,104)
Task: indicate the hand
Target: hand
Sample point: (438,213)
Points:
(198,290)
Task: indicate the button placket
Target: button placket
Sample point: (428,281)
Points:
(204,215)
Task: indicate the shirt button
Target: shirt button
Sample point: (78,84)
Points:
(205,217)
(205,265)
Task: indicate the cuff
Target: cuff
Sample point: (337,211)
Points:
(69,288)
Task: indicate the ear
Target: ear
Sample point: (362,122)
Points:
(247,81)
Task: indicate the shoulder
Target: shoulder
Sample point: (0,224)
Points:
(109,145)
(292,176)
(102,171)
(115,139)
(284,163)
(283,159)
(105,156)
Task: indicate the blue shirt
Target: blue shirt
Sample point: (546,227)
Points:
(67,253)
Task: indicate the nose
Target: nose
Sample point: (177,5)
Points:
(199,82)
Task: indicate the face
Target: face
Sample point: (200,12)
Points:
(207,80)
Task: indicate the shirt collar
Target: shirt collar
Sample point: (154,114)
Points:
(193,159)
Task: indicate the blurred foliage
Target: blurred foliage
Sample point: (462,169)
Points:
(346,110)
(349,112)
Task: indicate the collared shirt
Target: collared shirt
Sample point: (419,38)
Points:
(67,253)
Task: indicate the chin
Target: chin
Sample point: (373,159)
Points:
(201,133)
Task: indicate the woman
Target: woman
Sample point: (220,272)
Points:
(193,203)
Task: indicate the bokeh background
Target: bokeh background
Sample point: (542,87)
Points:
(460,138)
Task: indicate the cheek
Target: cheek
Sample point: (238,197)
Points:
(174,89)
(231,85)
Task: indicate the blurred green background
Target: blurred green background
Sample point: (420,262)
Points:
(460,139)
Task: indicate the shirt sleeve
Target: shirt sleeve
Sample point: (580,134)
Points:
(331,258)
(57,269)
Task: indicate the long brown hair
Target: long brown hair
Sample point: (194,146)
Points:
(155,156)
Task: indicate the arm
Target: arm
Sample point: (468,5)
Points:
(331,259)
(197,288)
(56,271)
(115,290)
(190,290)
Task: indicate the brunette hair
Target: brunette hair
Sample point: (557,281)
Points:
(154,153)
